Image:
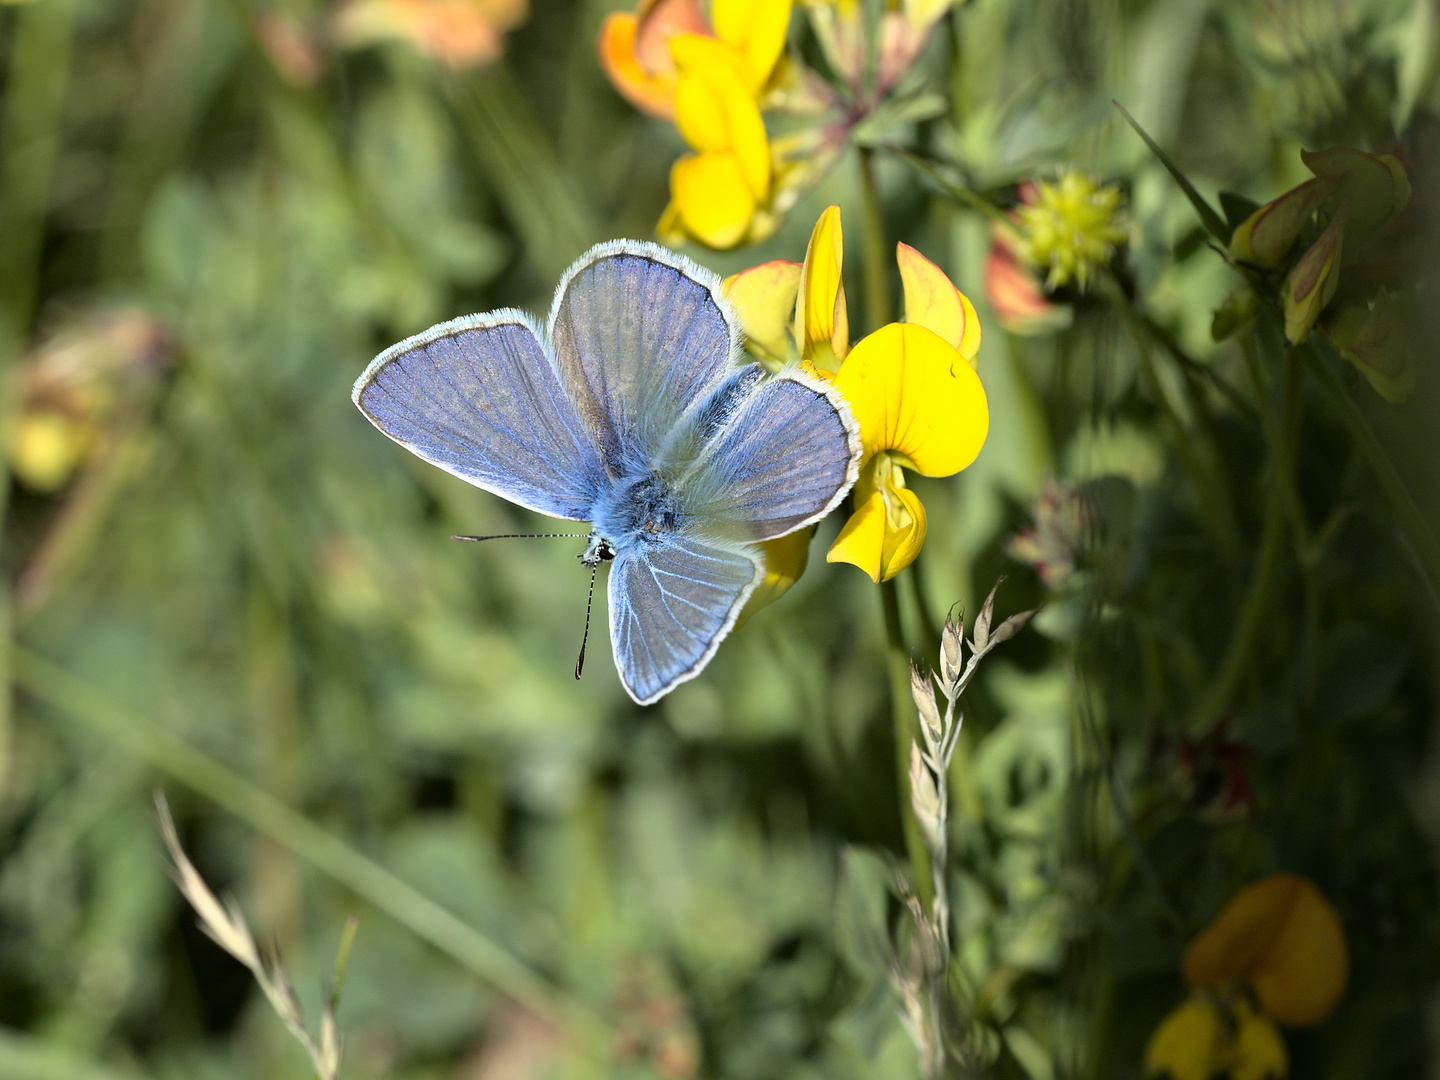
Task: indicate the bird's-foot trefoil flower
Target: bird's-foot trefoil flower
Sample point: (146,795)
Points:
(1275,956)
(911,385)
(719,78)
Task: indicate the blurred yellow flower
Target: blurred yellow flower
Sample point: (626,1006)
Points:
(73,388)
(911,386)
(723,194)
(455,33)
(1072,228)
(1275,954)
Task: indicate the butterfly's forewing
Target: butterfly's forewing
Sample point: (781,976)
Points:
(785,458)
(640,335)
(480,398)
(671,604)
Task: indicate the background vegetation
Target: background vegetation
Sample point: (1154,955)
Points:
(220,581)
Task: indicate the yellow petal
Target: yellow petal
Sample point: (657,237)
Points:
(700,112)
(932,301)
(885,533)
(1186,1045)
(1282,935)
(711,198)
(757,29)
(714,112)
(822,324)
(764,298)
(1256,1050)
(785,560)
(912,394)
(46,447)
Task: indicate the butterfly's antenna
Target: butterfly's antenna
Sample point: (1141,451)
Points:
(517,536)
(580,660)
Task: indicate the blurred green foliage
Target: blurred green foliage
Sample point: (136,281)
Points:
(239,592)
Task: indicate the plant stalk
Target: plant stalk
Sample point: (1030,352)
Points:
(897,671)
(878,311)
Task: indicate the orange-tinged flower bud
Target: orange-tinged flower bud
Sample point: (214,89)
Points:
(1266,236)
(1313,279)
(635,51)
(1282,936)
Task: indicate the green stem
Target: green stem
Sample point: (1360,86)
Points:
(1241,649)
(897,670)
(39,77)
(167,752)
(1204,470)
(29,142)
(929,626)
(1411,518)
(877,287)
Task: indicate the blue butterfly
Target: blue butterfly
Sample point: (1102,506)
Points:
(633,410)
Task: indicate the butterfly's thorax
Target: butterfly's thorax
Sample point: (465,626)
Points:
(637,511)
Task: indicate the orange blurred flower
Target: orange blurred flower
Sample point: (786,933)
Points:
(455,33)
(1013,286)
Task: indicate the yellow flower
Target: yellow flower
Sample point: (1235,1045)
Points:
(1072,228)
(912,386)
(75,388)
(1275,954)
(723,194)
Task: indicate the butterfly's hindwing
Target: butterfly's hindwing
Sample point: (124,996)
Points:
(480,398)
(671,604)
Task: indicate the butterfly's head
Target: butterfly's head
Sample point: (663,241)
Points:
(598,550)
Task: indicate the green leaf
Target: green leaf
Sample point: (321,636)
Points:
(1213,222)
